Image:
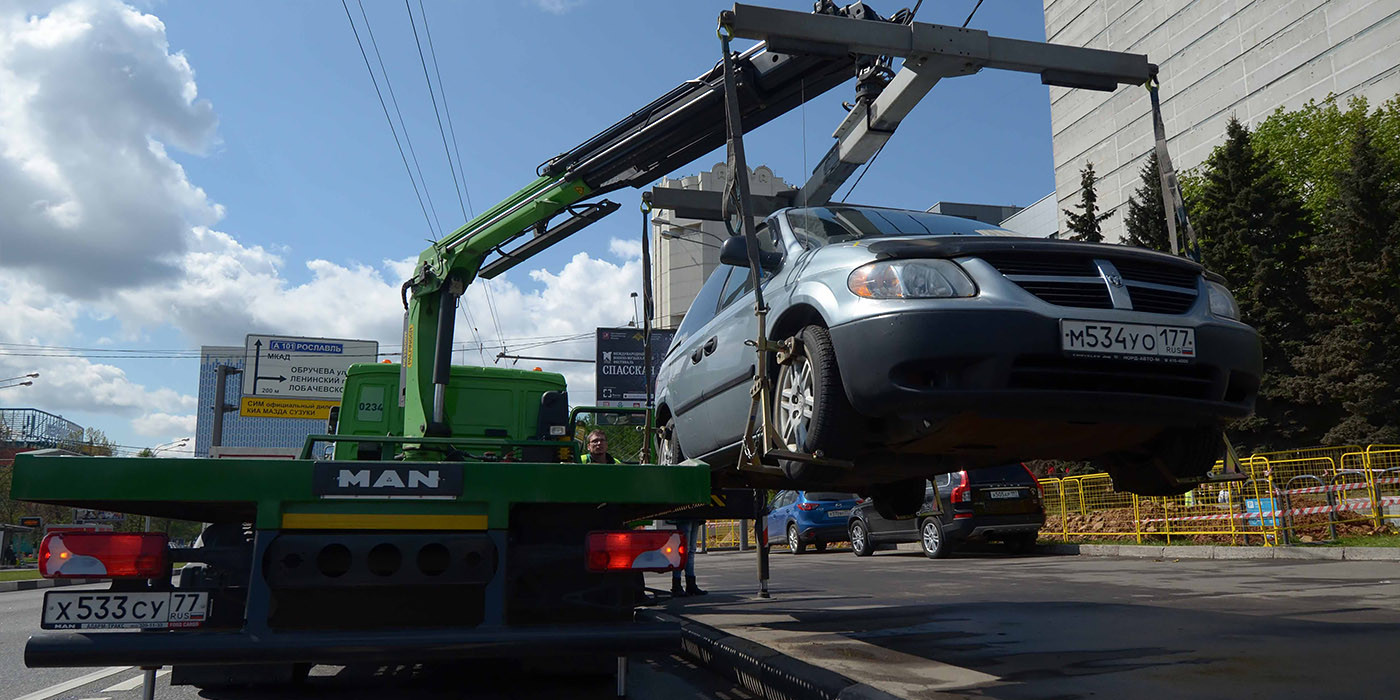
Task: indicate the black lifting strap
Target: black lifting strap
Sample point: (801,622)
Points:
(1172,201)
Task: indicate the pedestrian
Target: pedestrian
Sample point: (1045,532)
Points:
(596,450)
(690,529)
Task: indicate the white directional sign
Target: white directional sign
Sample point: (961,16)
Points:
(308,368)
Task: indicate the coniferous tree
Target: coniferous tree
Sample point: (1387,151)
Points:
(1352,364)
(1084,224)
(1253,231)
(1146,222)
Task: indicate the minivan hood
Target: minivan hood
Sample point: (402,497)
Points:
(959,246)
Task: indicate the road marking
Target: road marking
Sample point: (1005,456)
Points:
(133,683)
(78,682)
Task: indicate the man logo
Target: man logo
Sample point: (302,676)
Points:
(387,481)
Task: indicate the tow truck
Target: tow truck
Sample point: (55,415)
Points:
(453,522)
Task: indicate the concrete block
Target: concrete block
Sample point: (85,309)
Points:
(1243,553)
(1099,550)
(1309,553)
(1371,553)
(1141,551)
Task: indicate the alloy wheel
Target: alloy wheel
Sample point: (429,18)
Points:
(932,537)
(858,543)
(796,400)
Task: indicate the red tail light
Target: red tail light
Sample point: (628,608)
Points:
(104,555)
(806,506)
(636,550)
(962,493)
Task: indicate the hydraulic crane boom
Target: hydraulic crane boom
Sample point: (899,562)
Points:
(673,130)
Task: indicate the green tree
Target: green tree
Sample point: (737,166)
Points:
(1146,222)
(1352,364)
(145,452)
(94,442)
(1084,224)
(1253,230)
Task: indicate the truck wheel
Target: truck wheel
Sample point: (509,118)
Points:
(668,447)
(1153,469)
(810,409)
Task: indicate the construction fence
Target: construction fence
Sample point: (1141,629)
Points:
(1313,495)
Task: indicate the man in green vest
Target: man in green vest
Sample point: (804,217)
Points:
(597,450)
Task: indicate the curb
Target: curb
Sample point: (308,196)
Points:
(1225,553)
(761,670)
(37,583)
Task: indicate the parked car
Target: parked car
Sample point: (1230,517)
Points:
(999,504)
(925,344)
(802,518)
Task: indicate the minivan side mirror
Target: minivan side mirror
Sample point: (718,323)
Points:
(735,251)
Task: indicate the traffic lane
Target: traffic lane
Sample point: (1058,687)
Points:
(19,618)
(989,625)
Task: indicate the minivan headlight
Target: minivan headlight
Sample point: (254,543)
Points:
(1222,302)
(911,279)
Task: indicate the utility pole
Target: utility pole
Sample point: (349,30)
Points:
(221,375)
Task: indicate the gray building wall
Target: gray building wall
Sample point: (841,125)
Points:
(1040,219)
(687,250)
(1218,58)
(986,213)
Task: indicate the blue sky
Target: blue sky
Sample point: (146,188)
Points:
(184,173)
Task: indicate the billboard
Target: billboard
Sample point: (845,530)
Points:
(621,381)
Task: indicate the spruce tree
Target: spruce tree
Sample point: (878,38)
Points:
(1352,364)
(1146,222)
(1253,231)
(1084,224)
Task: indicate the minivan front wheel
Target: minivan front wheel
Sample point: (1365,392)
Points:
(810,406)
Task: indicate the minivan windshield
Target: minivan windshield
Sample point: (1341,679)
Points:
(819,226)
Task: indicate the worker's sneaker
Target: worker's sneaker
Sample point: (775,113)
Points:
(691,588)
(677,591)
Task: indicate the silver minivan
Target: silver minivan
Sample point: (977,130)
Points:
(928,343)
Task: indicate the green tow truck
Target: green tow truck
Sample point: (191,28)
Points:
(453,522)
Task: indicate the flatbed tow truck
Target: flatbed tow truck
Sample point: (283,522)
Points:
(455,523)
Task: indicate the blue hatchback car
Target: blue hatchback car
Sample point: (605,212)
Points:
(809,517)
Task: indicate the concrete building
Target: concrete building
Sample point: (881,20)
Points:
(1040,219)
(1218,58)
(687,250)
(986,213)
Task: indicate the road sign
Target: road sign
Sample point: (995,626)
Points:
(31,521)
(272,407)
(306,368)
(620,379)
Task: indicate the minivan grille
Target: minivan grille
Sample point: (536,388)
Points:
(1078,282)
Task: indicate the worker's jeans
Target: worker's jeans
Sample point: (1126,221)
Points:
(690,529)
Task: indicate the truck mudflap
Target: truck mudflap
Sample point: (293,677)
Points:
(69,649)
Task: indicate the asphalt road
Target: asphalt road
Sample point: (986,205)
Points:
(990,625)
(661,676)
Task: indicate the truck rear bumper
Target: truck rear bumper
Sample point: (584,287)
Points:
(68,649)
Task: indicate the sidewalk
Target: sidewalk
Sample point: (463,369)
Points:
(1222,552)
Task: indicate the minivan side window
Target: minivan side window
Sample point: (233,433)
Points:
(741,280)
(704,307)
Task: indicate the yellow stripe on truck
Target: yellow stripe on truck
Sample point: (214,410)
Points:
(368,521)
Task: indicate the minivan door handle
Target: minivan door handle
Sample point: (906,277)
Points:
(711,344)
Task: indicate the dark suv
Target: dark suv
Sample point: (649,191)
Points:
(1000,503)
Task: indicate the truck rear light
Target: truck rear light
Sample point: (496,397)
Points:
(636,550)
(104,555)
(962,493)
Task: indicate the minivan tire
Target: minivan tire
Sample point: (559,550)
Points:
(812,370)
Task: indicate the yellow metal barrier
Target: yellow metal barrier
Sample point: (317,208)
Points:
(1307,495)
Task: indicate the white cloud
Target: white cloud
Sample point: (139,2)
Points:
(558,7)
(625,248)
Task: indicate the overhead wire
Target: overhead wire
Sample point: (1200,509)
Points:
(446,108)
(387,118)
(402,124)
(432,95)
